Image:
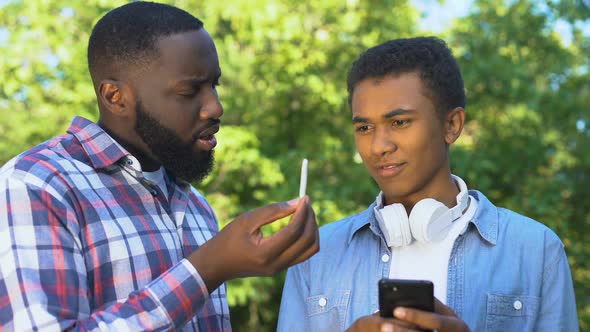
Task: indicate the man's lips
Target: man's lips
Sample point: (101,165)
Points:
(389,169)
(206,139)
(208,131)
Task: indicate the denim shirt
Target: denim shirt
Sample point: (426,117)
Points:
(507,272)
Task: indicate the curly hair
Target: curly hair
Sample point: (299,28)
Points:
(430,57)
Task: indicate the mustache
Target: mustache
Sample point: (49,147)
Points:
(210,124)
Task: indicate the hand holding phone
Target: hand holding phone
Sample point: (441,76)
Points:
(414,295)
(417,294)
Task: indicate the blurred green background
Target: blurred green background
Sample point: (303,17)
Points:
(526,144)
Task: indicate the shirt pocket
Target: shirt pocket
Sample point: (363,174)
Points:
(327,312)
(511,312)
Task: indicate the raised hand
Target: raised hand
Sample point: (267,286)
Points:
(240,250)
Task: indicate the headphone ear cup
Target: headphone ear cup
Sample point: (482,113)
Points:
(393,221)
(404,231)
(427,221)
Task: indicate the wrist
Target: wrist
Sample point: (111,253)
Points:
(209,267)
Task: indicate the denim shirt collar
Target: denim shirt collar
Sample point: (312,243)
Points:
(485,220)
(365,219)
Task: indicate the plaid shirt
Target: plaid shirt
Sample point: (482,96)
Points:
(87,243)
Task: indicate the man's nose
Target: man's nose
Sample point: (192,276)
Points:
(212,108)
(382,142)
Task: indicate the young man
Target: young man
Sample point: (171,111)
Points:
(492,268)
(100,228)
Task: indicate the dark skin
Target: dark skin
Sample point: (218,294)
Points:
(408,320)
(404,143)
(178,89)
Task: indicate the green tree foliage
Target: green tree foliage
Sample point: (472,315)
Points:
(283,87)
(528,137)
(284,73)
(43,68)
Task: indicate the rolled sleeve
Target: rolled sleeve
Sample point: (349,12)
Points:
(180,292)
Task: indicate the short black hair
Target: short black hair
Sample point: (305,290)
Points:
(430,57)
(126,36)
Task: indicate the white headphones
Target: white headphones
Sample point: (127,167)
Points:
(429,220)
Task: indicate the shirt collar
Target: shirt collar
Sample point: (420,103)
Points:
(485,219)
(101,149)
(361,220)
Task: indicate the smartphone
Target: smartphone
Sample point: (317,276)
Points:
(417,294)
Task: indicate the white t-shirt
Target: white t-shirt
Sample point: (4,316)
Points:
(430,261)
(157,177)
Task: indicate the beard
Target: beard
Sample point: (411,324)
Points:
(177,157)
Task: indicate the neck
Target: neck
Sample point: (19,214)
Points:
(441,188)
(148,163)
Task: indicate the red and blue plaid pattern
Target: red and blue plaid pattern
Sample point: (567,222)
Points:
(87,243)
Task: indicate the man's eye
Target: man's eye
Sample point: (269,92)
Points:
(362,129)
(401,123)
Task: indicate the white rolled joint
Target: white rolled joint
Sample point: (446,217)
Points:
(303,179)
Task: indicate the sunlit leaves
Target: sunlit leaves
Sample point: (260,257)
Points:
(526,144)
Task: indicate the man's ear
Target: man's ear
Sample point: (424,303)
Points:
(454,122)
(116,97)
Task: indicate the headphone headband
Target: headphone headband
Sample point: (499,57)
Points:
(430,220)
(462,199)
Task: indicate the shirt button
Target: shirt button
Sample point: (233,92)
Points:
(322,302)
(385,258)
(129,162)
(517,305)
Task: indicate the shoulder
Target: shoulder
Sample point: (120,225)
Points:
(522,227)
(49,163)
(338,233)
(518,222)
(335,240)
(39,187)
(344,244)
(531,233)
(198,198)
(514,228)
